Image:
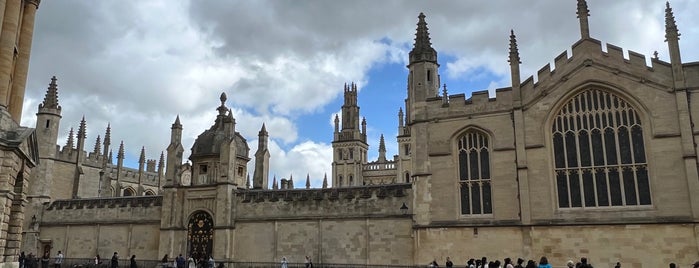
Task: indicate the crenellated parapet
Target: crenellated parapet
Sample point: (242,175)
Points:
(383,200)
(591,53)
(479,103)
(99,203)
(148,178)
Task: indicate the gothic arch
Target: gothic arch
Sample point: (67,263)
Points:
(598,150)
(128,191)
(473,147)
(149,192)
(200,234)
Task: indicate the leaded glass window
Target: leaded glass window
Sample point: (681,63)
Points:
(474,173)
(599,153)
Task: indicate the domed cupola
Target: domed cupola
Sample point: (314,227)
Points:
(211,150)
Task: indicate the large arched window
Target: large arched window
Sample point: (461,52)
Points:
(474,173)
(599,154)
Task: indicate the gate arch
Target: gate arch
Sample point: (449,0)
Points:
(200,235)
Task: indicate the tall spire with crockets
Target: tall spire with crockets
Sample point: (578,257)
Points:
(583,13)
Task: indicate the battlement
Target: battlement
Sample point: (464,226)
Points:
(588,52)
(479,102)
(388,165)
(328,194)
(111,202)
(131,175)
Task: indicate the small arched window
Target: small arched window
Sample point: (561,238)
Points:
(351,180)
(339,180)
(474,173)
(407,177)
(599,153)
(129,192)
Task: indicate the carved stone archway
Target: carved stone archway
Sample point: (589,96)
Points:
(200,235)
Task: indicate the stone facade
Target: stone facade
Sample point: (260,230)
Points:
(595,157)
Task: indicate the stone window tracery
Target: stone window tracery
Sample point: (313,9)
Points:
(599,153)
(474,173)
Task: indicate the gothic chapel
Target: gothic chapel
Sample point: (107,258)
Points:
(596,157)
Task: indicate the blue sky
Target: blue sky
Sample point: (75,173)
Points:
(284,63)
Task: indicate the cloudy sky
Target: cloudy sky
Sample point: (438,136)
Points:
(139,64)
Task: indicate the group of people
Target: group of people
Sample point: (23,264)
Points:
(507,263)
(191,262)
(308,262)
(32,261)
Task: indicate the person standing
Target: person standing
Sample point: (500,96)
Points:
(449,263)
(180,261)
(115,260)
(45,260)
(21,260)
(212,263)
(544,262)
(133,262)
(285,263)
(191,263)
(59,260)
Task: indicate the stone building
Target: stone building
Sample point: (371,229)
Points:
(18,144)
(597,157)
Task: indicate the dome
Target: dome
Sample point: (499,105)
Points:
(209,142)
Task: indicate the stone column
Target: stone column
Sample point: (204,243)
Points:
(8,40)
(19,82)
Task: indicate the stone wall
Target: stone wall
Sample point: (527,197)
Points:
(646,245)
(82,228)
(349,241)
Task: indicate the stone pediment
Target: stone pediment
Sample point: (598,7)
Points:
(18,138)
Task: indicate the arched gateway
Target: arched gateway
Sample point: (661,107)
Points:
(200,235)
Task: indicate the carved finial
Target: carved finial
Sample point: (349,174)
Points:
(325,180)
(82,130)
(655,55)
(308,181)
(275,186)
(222,109)
(120,154)
(583,13)
(445,95)
(263,130)
(98,146)
(671,31)
(71,140)
(382,144)
(514,51)
(108,136)
(291,182)
(51,97)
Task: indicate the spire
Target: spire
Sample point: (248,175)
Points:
(291,181)
(325,180)
(71,140)
(247,183)
(422,49)
(120,154)
(263,130)
(308,181)
(161,162)
(400,120)
(275,186)
(82,131)
(98,146)
(671,31)
(107,142)
(583,13)
(382,150)
(514,52)
(177,124)
(51,97)
(514,68)
(364,125)
(672,37)
(142,158)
